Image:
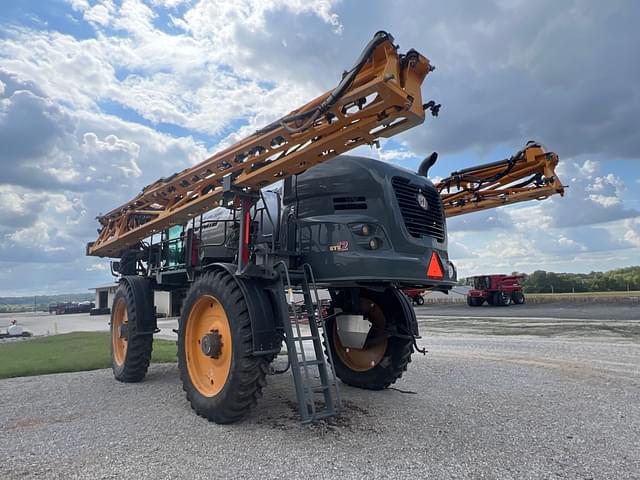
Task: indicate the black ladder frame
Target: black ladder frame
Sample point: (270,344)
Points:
(307,389)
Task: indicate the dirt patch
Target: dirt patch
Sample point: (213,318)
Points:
(350,419)
(33,422)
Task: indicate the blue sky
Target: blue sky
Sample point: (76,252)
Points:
(100,97)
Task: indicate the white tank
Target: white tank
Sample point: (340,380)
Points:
(14,330)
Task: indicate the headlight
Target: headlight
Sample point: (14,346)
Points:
(362,229)
(369,236)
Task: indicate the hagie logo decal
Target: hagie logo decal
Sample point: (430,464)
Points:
(341,246)
(422,201)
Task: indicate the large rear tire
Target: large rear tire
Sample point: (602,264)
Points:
(501,299)
(220,375)
(517,297)
(383,360)
(130,352)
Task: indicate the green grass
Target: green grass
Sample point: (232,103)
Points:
(70,352)
(632,293)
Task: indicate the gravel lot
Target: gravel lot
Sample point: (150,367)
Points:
(516,406)
(560,310)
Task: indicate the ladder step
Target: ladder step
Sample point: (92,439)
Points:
(314,387)
(311,362)
(318,388)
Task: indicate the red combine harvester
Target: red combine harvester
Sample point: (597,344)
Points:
(415,296)
(498,290)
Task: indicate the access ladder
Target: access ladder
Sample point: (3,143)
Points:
(314,378)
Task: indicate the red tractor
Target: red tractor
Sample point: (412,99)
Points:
(498,290)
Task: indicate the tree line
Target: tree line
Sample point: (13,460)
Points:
(39,302)
(541,281)
(620,279)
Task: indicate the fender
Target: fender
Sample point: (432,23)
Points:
(146,323)
(409,314)
(393,299)
(267,336)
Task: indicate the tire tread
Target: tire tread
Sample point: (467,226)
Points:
(139,347)
(249,374)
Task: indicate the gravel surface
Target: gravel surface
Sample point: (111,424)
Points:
(559,310)
(483,407)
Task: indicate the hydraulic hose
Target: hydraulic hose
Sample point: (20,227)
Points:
(310,116)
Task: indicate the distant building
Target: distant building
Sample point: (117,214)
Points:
(161,300)
(104,298)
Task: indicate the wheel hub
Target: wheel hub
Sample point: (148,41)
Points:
(123,331)
(211,344)
(372,352)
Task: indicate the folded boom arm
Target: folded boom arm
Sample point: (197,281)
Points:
(528,175)
(379,97)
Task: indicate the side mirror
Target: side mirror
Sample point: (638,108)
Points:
(115,268)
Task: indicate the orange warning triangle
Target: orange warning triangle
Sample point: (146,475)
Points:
(435,267)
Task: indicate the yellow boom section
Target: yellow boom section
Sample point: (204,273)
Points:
(379,97)
(528,175)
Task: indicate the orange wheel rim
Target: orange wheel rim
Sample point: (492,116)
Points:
(361,360)
(119,342)
(208,374)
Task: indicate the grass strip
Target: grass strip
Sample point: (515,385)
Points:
(69,352)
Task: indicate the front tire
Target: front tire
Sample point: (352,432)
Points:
(475,301)
(382,361)
(220,375)
(130,352)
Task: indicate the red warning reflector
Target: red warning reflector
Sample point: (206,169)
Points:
(435,267)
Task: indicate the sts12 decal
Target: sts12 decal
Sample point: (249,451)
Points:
(341,246)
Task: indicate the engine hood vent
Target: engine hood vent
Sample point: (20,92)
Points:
(349,203)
